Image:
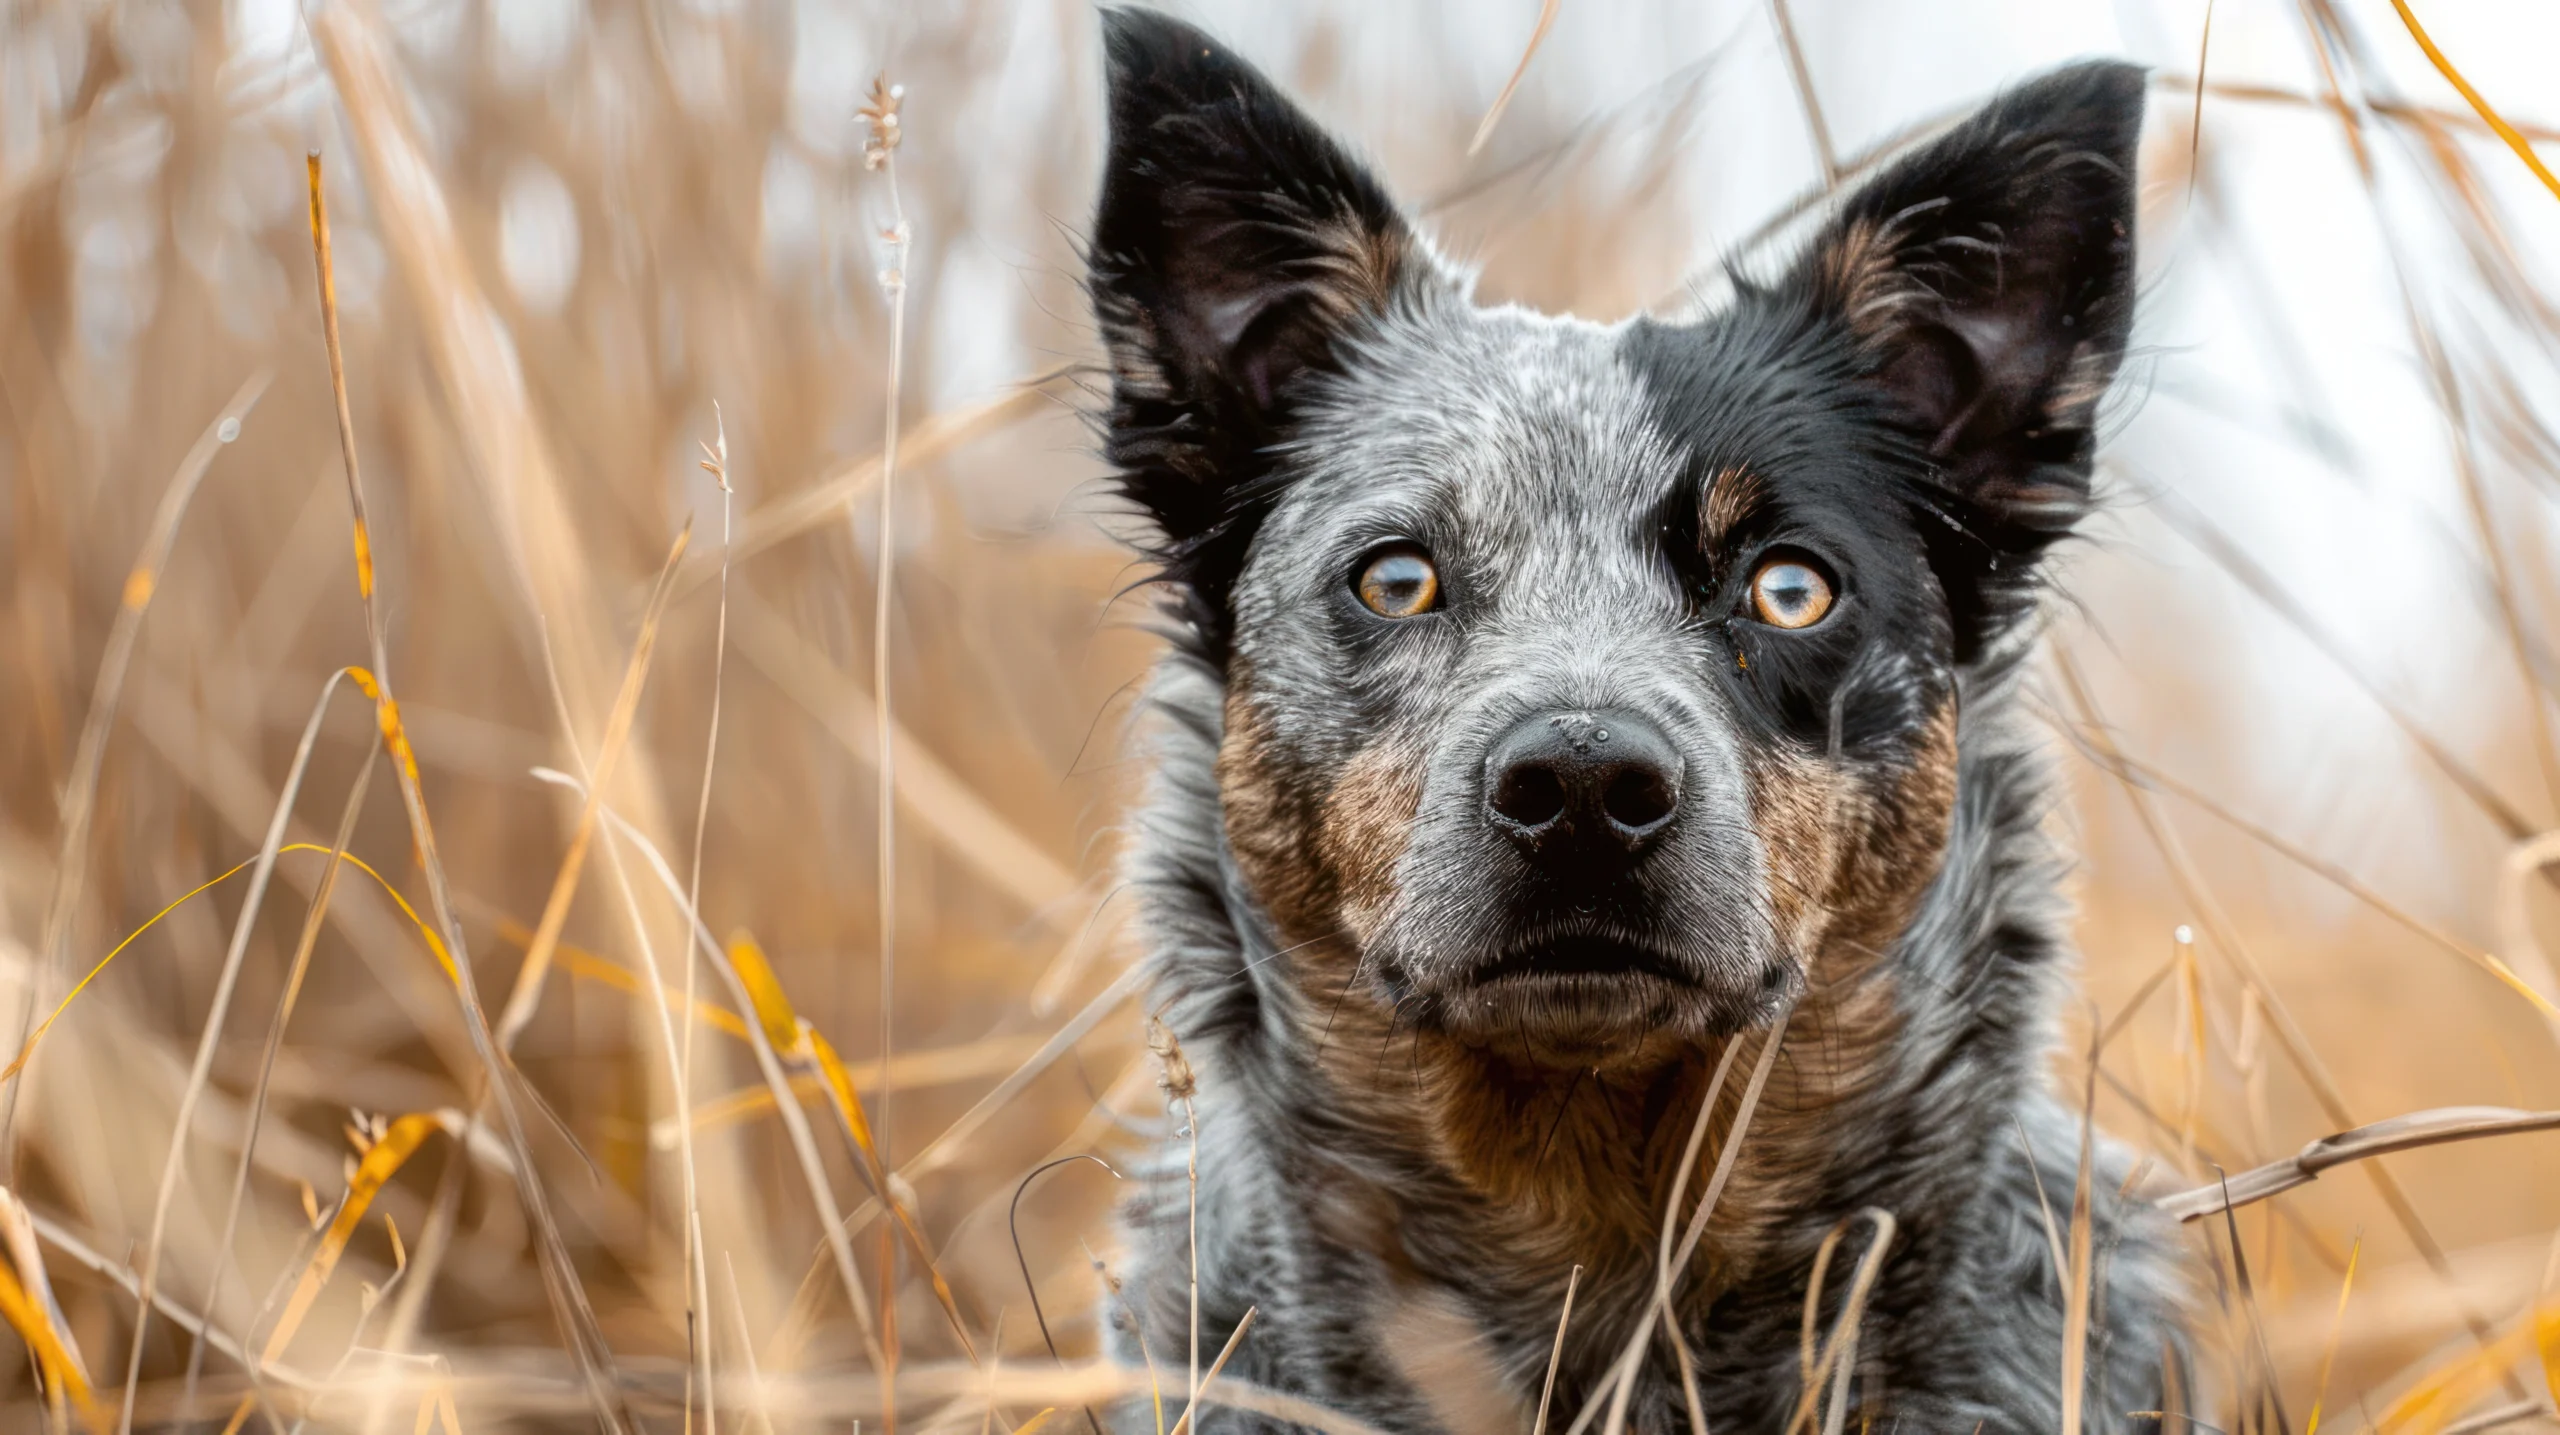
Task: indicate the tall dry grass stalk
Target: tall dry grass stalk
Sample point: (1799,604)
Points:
(579,286)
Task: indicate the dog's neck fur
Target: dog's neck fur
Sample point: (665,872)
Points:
(1474,1176)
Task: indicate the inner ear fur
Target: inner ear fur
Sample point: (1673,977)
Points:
(1236,245)
(1988,276)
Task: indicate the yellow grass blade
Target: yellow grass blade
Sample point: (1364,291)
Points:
(47,1024)
(989,1056)
(838,1244)
(61,1373)
(2547,1337)
(840,1085)
(2547,1332)
(386,712)
(584,965)
(2337,1327)
(434,944)
(2496,123)
(363,78)
(773,1009)
(2442,1394)
(379,1165)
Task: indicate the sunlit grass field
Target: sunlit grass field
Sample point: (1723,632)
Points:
(450,959)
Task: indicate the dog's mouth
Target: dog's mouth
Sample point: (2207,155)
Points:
(1585,995)
(1582,955)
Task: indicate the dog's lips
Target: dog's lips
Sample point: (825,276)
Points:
(1590,995)
(1579,958)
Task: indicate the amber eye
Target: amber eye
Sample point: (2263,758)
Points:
(1399,582)
(1787,593)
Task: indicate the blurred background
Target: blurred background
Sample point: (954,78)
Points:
(607,270)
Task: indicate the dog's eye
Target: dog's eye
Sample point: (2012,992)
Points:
(1788,593)
(1399,582)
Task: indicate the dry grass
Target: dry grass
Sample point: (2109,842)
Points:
(572,264)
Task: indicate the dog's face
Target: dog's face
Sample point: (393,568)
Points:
(1584,683)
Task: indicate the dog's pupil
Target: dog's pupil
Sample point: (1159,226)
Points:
(1399,584)
(1790,595)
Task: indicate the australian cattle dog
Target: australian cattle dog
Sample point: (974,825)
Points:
(1595,822)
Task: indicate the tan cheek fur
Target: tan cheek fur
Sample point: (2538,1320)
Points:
(1847,867)
(1368,818)
(1271,822)
(1845,861)
(1321,854)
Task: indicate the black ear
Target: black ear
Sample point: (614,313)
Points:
(1989,279)
(1235,244)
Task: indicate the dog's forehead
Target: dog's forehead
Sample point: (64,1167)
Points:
(1511,426)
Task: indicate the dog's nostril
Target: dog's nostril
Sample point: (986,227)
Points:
(1637,797)
(1529,794)
(1582,786)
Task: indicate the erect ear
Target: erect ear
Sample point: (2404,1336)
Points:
(1235,244)
(1989,276)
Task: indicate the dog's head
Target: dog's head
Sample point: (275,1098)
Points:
(1584,682)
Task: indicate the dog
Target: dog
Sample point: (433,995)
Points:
(1595,849)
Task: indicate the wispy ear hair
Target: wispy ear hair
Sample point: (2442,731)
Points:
(1235,245)
(1990,276)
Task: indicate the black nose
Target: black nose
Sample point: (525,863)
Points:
(1604,781)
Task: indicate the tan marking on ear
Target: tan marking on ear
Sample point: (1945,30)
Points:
(1860,273)
(1361,265)
(2086,376)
